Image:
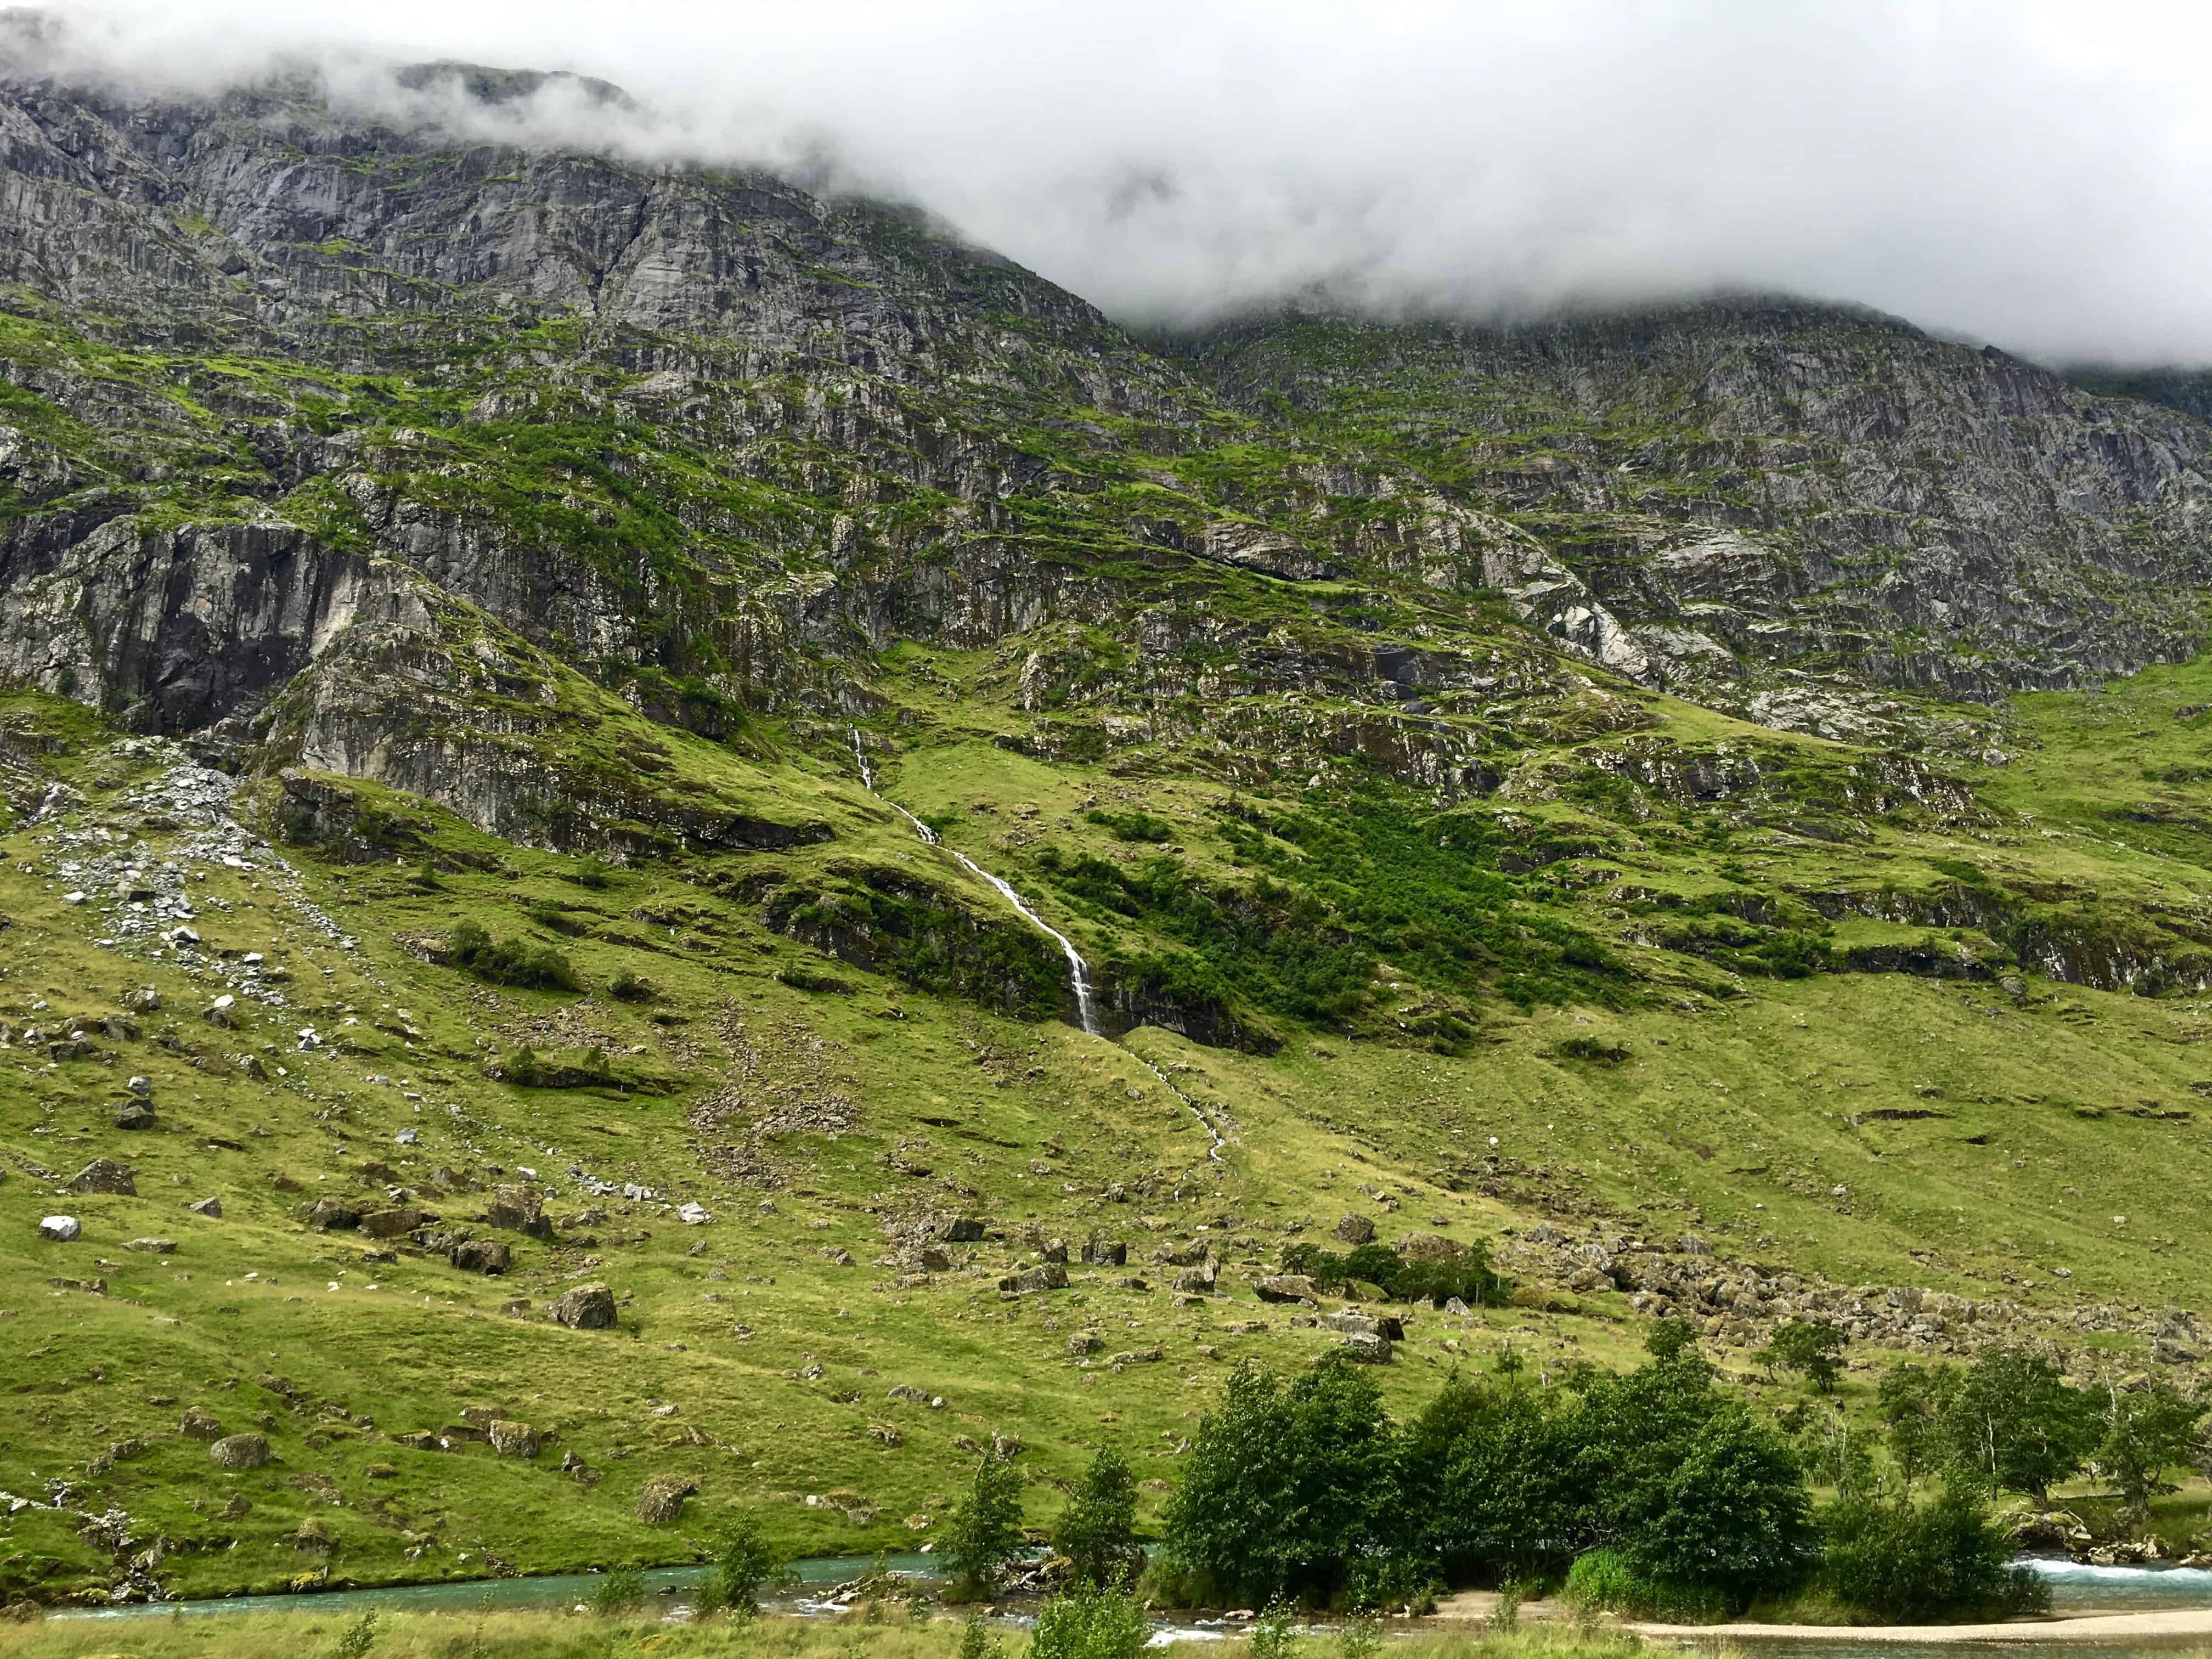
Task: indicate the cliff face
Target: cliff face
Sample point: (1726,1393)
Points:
(288,390)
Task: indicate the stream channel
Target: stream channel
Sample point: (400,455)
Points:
(2074,1588)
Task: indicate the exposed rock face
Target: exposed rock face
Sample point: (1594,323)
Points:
(1742,502)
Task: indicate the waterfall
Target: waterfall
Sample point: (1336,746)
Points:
(1079,970)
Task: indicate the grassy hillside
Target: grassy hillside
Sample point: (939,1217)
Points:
(1770,991)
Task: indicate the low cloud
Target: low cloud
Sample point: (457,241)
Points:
(2028,172)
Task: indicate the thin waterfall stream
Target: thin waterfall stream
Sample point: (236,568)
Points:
(1086,1010)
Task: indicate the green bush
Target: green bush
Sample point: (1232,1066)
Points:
(985,1530)
(510,962)
(1468,1275)
(627,986)
(1089,1623)
(1604,1581)
(1288,1484)
(621,1592)
(745,1564)
(592,872)
(1903,1562)
(1133,826)
(1098,1531)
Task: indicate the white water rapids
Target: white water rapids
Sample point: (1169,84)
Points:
(1079,970)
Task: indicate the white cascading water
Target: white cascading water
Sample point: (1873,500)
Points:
(1086,1012)
(1079,970)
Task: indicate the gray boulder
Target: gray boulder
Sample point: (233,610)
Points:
(60,1229)
(105,1175)
(239,1451)
(586,1308)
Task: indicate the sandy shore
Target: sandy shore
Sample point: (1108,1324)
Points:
(2170,1625)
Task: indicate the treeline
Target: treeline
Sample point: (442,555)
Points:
(1652,1492)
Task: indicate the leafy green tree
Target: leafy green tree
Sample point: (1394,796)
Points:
(1098,1532)
(1902,1561)
(1834,1451)
(746,1563)
(1286,1483)
(2011,1423)
(1090,1622)
(1731,1517)
(2146,1431)
(1671,1338)
(985,1530)
(1911,1399)
(1808,1349)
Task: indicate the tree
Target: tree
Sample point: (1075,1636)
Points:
(2011,1423)
(1287,1485)
(985,1531)
(1899,1560)
(746,1563)
(1670,1339)
(2146,1431)
(1098,1533)
(1731,1515)
(1911,1399)
(1090,1622)
(1807,1349)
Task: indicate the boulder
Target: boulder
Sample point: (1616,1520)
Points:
(133,1114)
(1106,1253)
(587,1307)
(104,1175)
(481,1255)
(1051,1276)
(1430,1247)
(197,1424)
(1369,1348)
(934,1261)
(208,1206)
(519,1210)
(510,1439)
(329,1215)
(1197,1281)
(1151,1356)
(662,1499)
(1353,1230)
(1084,1342)
(1285,1287)
(389,1223)
(61,1229)
(965,1229)
(239,1451)
(153,1246)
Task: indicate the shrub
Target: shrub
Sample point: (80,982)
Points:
(592,872)
(985,1531)
(355,1639)
(1133,826)
(510,962)
(627,986)
(621,1592)
(1288,1484)
(976,1641)
(1807,1349)
(1089,1623)
(1604,1581)
(746,1563)
(1904,1562)
(1098,1533)
(1467,1276)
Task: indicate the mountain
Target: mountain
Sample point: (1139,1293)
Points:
(541,691)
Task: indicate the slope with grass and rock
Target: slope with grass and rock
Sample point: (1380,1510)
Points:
(522,668)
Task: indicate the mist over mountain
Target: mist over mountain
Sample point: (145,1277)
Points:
(2021,174)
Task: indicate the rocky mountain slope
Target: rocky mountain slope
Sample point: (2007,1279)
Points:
(537,690)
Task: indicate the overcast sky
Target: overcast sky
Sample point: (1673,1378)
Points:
(2037,175)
